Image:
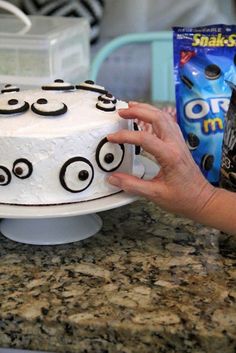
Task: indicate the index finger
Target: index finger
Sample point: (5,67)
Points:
(159,120)
(148,142)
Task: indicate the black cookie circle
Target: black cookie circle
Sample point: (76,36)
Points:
(27,163)
(13,101)
(59,80)
(108,96)
(106,105)
(61,111)
(137,148)
(89,85)
(89,82)
(192,141)
(21,109)
(97,155)
(207,162)
(8,174)
(63,173)
(83,175)
(42,101)
(10,88)
(212,72)
(58,85)
(109,158)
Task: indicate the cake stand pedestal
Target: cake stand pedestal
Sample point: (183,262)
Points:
(61,224)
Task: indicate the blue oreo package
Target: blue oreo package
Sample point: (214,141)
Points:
(204,62)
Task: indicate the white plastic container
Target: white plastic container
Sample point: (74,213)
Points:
(51,48)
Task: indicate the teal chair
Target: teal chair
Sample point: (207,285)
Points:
(161,45)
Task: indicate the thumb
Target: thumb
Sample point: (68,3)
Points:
(133,185)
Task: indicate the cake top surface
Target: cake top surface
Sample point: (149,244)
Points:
(56,109)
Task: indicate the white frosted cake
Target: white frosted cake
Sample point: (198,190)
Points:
(53,144)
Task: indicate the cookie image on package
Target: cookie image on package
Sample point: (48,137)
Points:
(212,72)
(192,141)
(186,81)
(207,162)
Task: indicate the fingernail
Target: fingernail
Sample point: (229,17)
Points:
(113,180)
(133,102)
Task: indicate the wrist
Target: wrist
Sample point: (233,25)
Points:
(205,202)
(217,208)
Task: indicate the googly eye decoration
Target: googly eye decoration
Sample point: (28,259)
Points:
(137,148)
(58,85)
(9,89)
(106,105)
(13,106)
(108,96)
(22,168)
(89,85)
(48,108)
(5,176)
(76,174)
(109,156)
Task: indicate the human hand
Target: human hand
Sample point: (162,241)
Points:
(179,187)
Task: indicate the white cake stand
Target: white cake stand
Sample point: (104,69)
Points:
(60,224)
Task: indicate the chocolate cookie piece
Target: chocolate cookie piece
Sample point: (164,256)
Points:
(207,162)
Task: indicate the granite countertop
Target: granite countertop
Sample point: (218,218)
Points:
(148,282)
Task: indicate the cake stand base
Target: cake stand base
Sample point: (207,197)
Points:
(51,230)
(61,224)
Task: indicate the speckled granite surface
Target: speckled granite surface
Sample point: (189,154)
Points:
(148,282)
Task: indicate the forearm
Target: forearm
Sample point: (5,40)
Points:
(219,212)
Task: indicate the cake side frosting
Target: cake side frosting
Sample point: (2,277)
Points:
(54,150)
